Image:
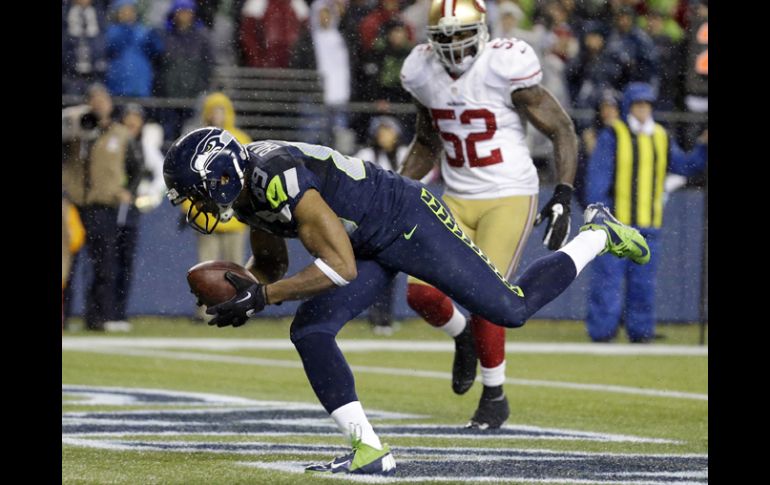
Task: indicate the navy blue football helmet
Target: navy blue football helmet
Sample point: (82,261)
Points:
(205,167)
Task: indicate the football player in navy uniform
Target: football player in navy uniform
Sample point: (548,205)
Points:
(364,225)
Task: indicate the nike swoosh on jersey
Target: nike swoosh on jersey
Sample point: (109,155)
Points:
(408,235)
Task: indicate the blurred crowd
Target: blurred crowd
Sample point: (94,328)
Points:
(168,48)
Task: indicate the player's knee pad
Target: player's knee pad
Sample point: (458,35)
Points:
(430,303)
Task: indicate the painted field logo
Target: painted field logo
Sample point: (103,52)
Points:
(175,415)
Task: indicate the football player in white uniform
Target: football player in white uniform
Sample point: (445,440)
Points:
(474,97)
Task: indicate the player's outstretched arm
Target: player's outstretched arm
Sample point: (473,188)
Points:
(270,258)
(323,235)
(543,110)
(424,149)
(548,116)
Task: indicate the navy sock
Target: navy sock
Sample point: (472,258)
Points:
(492,392)
(326,369)
(545,279)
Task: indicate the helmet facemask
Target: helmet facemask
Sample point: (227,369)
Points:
(203,214)
(457,45)
(217,163)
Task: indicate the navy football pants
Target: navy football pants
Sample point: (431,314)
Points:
(439,253)
(427,244)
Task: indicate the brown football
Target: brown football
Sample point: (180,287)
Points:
(207,281)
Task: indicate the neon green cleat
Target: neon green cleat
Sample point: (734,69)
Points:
(364,459)
(622,241)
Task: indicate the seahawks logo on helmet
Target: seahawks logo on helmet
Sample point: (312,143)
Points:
(207,150)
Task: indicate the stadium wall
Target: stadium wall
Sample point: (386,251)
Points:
(165,253)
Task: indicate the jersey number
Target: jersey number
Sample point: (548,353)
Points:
(495,156)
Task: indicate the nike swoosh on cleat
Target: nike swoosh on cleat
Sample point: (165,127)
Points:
(642,248)
(248,295)
(408,235)
(339,465)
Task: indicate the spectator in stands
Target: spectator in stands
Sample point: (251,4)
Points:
(416,17)
(508,25)
(371,27)
(83,56)
(186,63)
(93,175)
(696,80)
(383,64)
(626,172)
(131,46)
(354,13)
(128,214)
(607,111)
(227,242)
(323,48)
(269,29)
(634,48)
(670,55)
(594,69)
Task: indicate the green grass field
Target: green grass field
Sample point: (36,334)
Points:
(577,416)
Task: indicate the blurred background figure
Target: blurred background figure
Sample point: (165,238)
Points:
(186,63)
(83,56)
(94,176)
(132,117)
(696,83)
(634,48)
(382,71)
(594,69)
(323,48)
(371,27)
(72,239)
(666,36)
(131,48)
(228,241)
(508,24)
(269,29)
(382,64)
(607,111)
(626,172)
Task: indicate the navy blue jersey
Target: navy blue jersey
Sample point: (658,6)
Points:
(366,198)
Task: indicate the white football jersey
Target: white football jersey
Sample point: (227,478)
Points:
(485,151)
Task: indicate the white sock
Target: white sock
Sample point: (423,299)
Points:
(351,420)
(585,247)
(494,376)
(456,323)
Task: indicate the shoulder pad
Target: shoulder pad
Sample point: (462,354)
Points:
(414,71)
(513,64)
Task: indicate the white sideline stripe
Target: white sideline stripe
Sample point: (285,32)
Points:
(326,448)
(354,345)
(298,467)
(293,364)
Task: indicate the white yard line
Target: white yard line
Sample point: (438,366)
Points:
(354,345)
(94,347)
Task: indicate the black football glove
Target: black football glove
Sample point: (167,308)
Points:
(557,212)
(249,299)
